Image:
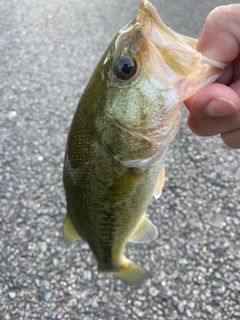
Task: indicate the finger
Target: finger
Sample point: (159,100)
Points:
(213,101)
(214,110)
(227,75)
(235,69)
(220,37)
(236,86)
(211,127)
(232,138)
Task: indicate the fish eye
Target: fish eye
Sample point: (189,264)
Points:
(125,67)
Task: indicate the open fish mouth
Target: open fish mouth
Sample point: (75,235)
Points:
(167,40)
(159,34)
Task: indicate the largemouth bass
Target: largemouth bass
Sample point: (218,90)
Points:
(125,120)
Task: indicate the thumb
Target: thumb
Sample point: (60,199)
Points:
(213,101)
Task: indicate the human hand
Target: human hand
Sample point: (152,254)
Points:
(215,109)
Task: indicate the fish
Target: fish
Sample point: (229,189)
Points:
(125,120)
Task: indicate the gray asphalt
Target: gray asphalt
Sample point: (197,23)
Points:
(48,50)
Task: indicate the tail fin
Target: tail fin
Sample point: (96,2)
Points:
(131,273)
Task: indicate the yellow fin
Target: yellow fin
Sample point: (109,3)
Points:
(160,183)
(70,234)
(144,232)
(131,273)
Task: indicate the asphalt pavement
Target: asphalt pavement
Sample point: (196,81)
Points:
(48,50)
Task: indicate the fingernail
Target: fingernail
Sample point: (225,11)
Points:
(221,107)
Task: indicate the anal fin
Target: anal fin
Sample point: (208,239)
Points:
(160,183)
(144,232)
(70,234)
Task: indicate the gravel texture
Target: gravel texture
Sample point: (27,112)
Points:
(48,50)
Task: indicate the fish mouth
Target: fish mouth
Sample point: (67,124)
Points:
(176,52)
(156,30)
(147,7)
(174,63)
(179,51)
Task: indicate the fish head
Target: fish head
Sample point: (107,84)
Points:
(152,69)
(147,71)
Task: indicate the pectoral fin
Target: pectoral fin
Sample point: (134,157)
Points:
(144,232)
(160,183)
(70,234)
(124,185)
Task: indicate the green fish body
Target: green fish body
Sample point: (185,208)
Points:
(125,120)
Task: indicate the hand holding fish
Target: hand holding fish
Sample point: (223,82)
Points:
(215,109)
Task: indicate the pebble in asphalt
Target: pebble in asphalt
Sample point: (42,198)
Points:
(48,51)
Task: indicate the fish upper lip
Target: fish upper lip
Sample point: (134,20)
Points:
(147,6)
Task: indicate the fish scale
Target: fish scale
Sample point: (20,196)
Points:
(125,120)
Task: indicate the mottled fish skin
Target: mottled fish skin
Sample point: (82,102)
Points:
(119,136)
